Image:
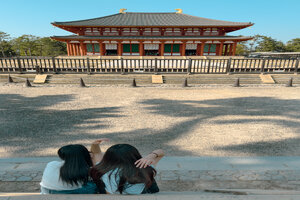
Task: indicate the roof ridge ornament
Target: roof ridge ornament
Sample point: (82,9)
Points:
(122,10)
(179,10)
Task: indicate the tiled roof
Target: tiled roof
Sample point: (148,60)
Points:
(152,37)
(151,19)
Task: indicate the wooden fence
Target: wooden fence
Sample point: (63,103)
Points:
(155,65)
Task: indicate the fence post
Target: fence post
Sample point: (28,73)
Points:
(262,69)
(190,66)
(122,67)
(297,66)
(228,66)
(208,67)
(19,65)
(53,65)
(155,66)
(88,66)
(38,69)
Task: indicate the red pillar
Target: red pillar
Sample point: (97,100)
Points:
(162,49)
(102,50)
(202,48)
(119,49)
(141,48)
(74,49)
(234,48)
(78,49)
(221,49)
(84,49)
(198,50)
(81,48)
(183,46)
(68,48)
(230,49)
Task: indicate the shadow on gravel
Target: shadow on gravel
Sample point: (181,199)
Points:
(26,122)
(246,107)
(278,148)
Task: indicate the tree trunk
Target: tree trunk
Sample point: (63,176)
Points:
(3,54)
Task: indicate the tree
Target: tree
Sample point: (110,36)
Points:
(254,42)
(267,44)
(8,50)
(26,45)
(3,42)
(51,47)
(242,49)
(293,45)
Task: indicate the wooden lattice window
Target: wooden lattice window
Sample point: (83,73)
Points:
(210,49)
(130,48)
(92,48)
(171,49)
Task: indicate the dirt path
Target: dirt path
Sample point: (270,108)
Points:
(202,121)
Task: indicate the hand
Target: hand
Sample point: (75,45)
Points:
(144,162)
(99,141)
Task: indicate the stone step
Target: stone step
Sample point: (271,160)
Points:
(283,79)
(264,195)
(179,173)
(140,79)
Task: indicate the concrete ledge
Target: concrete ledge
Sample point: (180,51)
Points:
(265,195)
(185,173)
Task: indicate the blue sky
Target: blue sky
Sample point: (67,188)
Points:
(279,19)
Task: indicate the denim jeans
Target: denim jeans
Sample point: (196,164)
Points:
(89,188)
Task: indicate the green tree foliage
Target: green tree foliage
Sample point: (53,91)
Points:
(52,47)
(242,49)
(7,48)
(30,45)
(26,45)
(268,44)
(4,45)
(293,45)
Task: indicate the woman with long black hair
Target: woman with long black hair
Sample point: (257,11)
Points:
(124,171)
(71,174)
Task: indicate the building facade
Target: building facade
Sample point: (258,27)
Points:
(151,34)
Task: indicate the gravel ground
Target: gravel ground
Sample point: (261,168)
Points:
(195,121)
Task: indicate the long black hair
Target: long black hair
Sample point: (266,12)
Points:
(122,157)
(77,163)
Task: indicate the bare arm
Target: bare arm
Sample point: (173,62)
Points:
(96,153)
(151,159)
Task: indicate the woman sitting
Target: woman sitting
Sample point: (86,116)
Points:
(71,174)
(124,171)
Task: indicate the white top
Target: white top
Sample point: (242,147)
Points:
(112,181)
(52,181)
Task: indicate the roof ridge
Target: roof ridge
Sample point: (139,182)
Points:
(213,19)
(89,19)
(151,12)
